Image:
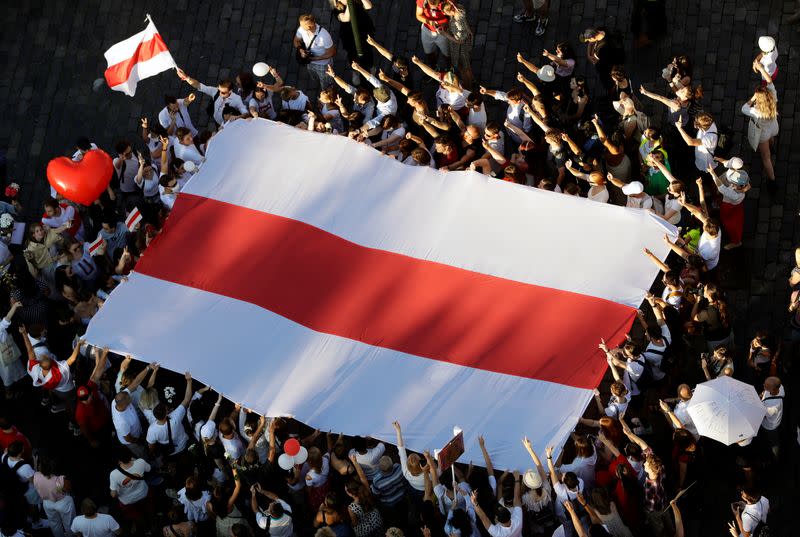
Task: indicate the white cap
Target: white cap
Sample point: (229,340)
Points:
(766,43)
(632,188)
(189,166)
(546,73)
(532,479)
(208,430)
(737,177)
(735,163)
(260,69)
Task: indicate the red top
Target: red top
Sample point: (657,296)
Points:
(93,415)
(9,437)
(434,13)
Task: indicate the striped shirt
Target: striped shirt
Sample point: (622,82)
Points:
(389,488)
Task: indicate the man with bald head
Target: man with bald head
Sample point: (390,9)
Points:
(772,397)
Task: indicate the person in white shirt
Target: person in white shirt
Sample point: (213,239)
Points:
(94,524)
(772,397)
(59,214)
(261,102)
(176,114)
(83,146)
(731,209)
(637,197)
(515,113)
(704,142)
(222,94)
(680,417)
(508,523)
(126,482)
(277,518)
(750,513)
(617,403)
(168,430)
(477,111)
(25,472)
(566,487)
(184,147)
(768,57)
(412,469)
(629,359)
(315,45)
(367,458)
(229,438)
(385,100)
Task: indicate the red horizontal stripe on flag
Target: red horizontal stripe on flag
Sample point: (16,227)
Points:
(381,298)
(119,73)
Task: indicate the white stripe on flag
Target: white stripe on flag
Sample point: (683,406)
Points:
(463,219)
(125,49)
(142,70)
(278,367)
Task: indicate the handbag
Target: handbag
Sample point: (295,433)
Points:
(301,59)
(753,134)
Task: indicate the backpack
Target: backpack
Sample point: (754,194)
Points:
(646,379)
(9,481)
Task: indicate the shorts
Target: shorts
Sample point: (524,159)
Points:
(538,4)
(431,42)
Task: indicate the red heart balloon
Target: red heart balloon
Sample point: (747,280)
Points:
(82,181)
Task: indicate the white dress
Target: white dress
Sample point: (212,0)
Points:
(769,127)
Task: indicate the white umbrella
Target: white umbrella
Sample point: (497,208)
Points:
(726,410)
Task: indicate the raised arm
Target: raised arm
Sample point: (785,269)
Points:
(186,78)
(523,136)
(534,457)
(676,512)
(528,84)
(139,378)
(100,358)
(495,154)
(661,167)
(517,489)
(576,150)
(697,212)
(434,74)
(530,66)
(614,181)
(673,419)
(580,531)
(701,191)
(656,261)
(609,445)
(262,422)
(672,104)
(690,141)
(632,436)
(555,477)
(763,72)
(383,51)
(359,471)
(152,380)
(479,510)
(187,394)
(394,84)
(339,81)
(575,171)
(676,248)
(486,458)
(75,353)
(599,402)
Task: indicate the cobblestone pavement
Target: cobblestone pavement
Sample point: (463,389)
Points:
(52,52)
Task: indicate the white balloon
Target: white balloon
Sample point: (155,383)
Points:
(286,461)
(189,166)
(301,456)
(260,69)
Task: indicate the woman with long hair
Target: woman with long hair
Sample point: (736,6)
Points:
(762,109)
(459,36)
(712,313)
(222,506)
(365,518)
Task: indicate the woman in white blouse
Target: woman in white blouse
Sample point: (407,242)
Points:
(185,149)
(597,191)
(762,108)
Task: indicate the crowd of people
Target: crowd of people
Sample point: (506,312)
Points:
(180,460)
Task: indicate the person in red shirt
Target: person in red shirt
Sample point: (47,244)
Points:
(620,478)
(434,23)
(92,412)
(10,434)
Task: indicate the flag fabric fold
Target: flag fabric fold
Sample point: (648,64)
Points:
(324,281)
(136,58)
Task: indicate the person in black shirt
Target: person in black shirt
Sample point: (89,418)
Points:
(605,50)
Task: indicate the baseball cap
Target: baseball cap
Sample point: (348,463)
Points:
(532,479)
(208,430)
(632,188)
(587,34)
(766,43)
(546,73)
(738,177)
(735,163)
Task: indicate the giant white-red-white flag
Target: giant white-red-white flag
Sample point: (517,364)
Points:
(138,57)
(307,275)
